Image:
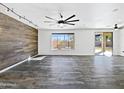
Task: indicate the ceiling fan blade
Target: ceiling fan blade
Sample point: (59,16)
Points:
(70,17)
(48,21)
(50,18)
(72,21)
(69,23)
(121,27)
(61,15)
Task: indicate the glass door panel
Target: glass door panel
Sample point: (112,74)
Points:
(99,43)
(103,43)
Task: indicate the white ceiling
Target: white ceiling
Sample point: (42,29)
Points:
(91,15)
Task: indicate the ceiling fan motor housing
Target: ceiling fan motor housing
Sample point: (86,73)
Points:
(116,26)
(61,22)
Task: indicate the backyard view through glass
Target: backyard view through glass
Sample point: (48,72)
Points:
(103,43)
(62,41)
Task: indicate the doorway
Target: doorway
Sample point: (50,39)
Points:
(104,43)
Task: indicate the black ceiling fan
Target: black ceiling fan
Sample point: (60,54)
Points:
(61,21)
(118,27)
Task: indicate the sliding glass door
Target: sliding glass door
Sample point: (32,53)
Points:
(104,43)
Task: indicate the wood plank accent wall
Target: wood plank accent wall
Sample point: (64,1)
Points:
(18,41)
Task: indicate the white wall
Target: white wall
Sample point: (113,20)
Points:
(116,42)
(121,42)
(84,42)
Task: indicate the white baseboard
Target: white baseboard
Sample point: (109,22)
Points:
(38,58)
(5,69)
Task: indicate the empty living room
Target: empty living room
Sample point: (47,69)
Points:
(61,45)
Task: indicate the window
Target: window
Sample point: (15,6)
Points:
(62,41)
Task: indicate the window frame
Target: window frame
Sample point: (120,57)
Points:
(51,42)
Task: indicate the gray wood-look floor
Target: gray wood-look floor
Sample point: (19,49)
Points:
(67,72)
